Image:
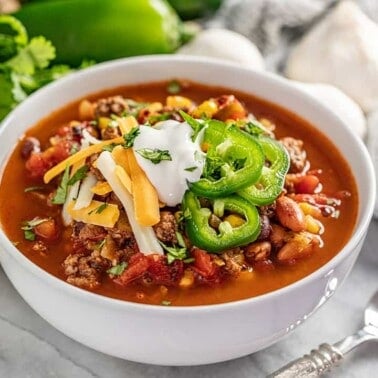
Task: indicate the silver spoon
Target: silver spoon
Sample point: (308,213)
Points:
(321,360)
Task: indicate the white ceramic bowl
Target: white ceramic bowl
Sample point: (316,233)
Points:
(183,335)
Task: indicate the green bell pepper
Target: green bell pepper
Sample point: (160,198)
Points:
(202,235)
(234,160)
(272,179)
(103,29)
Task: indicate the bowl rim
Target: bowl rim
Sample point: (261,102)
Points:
(361,226)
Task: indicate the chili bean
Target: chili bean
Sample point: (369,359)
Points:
(258,251)
(299,246)
(307,184)
(29,146)
(290,214)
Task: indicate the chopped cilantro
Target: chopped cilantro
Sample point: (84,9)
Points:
(80,174)
(154,155)
(29,235)
(99,209)
(100,244)
(174,87)
(196,124)
(130,137)
(190,169)
(109,147)
(28,227)
(152,119)
(61,193)
(117,270)
(166,303)
(176,252)
(74,149)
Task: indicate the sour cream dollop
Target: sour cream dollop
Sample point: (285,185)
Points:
(170,177)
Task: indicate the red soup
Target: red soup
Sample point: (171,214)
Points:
(176,193)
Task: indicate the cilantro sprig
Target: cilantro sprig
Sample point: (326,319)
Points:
(25,65)
(117,270)
(154,155)
(130,137)
(66,182)
(28,227)
(177,252)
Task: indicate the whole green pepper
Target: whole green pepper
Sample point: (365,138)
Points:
(272,178)
(202,235)
(103,29)
(189,9)
(234,161)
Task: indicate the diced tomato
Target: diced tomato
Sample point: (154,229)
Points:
(39,163)
(47,230)
(138,265)
(229,108)
(162,273)
(203,263)
(307,184)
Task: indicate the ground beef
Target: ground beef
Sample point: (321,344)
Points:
(296,152)
(122,234)
(110,133)
(40,247)
(234,261)
(85,271)
(166,229)
(111,105)
(85,237)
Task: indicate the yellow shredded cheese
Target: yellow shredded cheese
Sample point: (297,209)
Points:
(101,188)
(126,124)
(97,213)
(82,154)
(119,155)
(124,178)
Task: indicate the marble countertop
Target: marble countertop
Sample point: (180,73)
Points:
(31,348)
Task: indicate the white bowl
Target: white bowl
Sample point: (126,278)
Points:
(183,335)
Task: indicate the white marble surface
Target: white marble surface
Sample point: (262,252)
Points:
(31,348)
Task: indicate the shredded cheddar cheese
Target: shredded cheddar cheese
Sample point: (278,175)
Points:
(82,154)
(101,188)
(97,213)
(124,178)
(126,124)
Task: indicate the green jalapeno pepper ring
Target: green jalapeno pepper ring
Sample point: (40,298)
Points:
(272,179)
(202,235)
(238,159)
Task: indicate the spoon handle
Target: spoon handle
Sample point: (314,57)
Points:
(314,364)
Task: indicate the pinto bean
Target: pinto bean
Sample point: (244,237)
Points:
(290,214)
(258,251)
(278,236)
(300,245)
(29,146)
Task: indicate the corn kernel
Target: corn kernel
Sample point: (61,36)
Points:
(187,280)
(313,225)
(234,220)
(207,108)
(179,102)
(310,210)
(103,122)
(154,107)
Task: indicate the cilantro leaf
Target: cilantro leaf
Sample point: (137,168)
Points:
(100,209)
(196,124)
(174,87)
(61,193)
(28,227)
(80,174)
(117,270)
(176,252)
(130,137)
(36,55)
(154,155)
(190,169)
